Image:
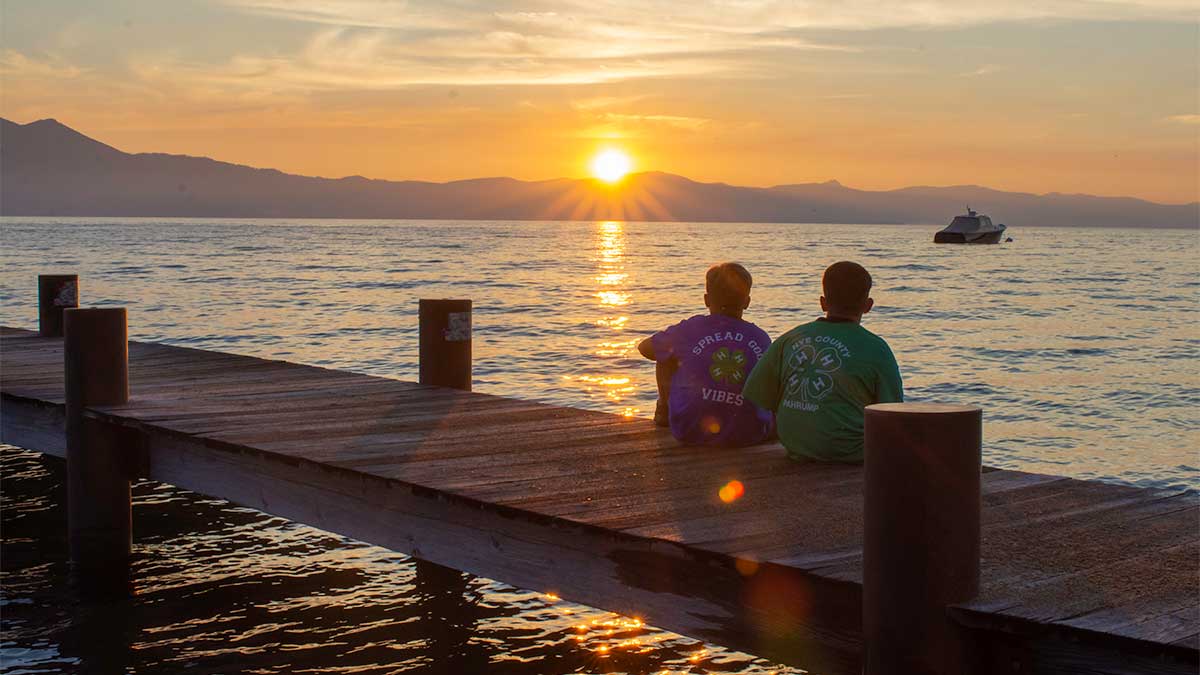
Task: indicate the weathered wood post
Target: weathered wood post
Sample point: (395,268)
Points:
(921,534)
(56,292)
(445,361)
(96,355)
(445,343)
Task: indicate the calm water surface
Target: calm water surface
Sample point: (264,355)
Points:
(1081,346)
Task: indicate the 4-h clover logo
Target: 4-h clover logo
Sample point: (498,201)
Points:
(812,372)
(728,366)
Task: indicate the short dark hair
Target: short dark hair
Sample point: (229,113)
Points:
(727,284)
(847,285)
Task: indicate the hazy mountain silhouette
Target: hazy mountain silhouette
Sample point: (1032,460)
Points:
(48,169)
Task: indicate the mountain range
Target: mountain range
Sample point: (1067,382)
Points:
(49,169)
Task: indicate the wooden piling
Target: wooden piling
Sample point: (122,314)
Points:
(445,343)
(56,292)
(95,349)
(445,361)
(921,537)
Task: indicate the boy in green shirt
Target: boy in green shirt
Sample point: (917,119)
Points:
(819,376)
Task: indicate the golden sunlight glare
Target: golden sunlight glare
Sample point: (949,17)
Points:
(611,166)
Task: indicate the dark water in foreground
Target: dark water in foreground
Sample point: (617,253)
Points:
(1081,345)
(222,589)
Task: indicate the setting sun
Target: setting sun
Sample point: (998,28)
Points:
(611,165)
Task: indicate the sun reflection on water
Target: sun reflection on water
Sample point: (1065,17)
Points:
(613,298)
(613,295)
(618,633)
(613,322)
(617,348)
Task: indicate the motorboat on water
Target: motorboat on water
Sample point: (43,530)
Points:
(972,228)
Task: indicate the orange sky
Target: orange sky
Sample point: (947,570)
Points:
(1050,96)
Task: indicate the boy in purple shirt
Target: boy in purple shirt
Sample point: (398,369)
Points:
(702,363)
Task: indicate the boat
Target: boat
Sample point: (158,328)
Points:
(972,228)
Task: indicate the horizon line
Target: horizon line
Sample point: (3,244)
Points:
(602,184)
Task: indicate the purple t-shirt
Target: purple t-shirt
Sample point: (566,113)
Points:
(716,353)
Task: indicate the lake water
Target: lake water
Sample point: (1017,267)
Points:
(1081,346)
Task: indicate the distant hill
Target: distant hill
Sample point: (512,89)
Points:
(48,169)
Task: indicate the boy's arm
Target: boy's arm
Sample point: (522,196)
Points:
(889,388)
(662,345)
(763,385)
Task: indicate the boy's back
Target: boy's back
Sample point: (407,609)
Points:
(715,353)
(818,377)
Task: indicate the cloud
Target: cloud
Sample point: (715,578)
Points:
(709,16)
(14,64)
(389,43)
(1184,119)
(673,121)
(373,59)
(356,58)
(601,102)
(986,69)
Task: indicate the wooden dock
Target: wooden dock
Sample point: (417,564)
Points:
(1077,576)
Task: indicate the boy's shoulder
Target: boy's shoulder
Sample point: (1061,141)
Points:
(822,327)
(693,320)
(751,326)
(876,339)
(714,321)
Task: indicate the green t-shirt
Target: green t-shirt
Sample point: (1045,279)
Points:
(817,378)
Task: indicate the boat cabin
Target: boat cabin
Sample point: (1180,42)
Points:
(972,222)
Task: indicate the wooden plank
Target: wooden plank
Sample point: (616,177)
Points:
(670,586)
(1026,551)
(337,416)
(1029,647)
(36,426)
(1191,642)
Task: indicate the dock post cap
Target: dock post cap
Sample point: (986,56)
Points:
(58,277)
(922,408)
(88,312)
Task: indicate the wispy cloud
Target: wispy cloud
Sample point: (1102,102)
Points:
(673,121)
(381,44)
(986,69)
(372,59)
(601,102)
(389,44)
(712,16)
(14,64)
(1184,119)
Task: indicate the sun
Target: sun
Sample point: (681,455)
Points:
(611,166)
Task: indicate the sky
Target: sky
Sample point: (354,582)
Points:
(1077,96)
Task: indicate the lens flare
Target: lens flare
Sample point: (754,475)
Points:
(745,567)
(732,491)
